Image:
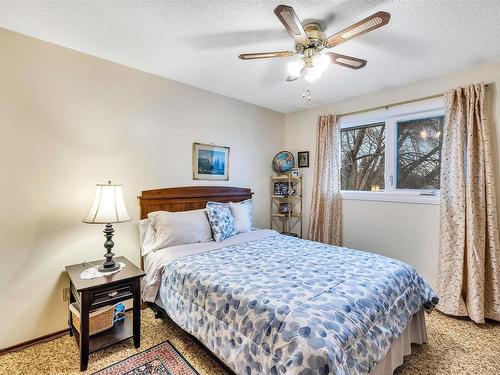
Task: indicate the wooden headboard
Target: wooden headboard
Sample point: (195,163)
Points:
(189,198)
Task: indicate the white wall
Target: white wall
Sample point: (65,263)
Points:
(409,232)
(69,121)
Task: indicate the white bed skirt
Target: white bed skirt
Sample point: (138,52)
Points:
(414,333)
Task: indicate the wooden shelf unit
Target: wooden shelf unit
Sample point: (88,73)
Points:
(286,215)
(290,222)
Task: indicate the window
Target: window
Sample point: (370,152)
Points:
(393,154)
(419,153)
(362,157)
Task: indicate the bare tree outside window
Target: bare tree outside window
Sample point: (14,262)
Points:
(363,157)
(419,153)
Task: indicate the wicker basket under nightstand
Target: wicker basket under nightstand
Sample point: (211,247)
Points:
(99,320)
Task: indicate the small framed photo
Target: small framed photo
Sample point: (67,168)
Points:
(210,162)
(303,159)
(285,208)
(295,172)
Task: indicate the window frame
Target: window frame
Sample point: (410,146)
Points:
(391,116)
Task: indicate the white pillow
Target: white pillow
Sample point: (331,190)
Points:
(146,236)
(242,215)
(179,228)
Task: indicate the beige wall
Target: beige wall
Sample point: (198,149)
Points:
(69,121)
(409,232)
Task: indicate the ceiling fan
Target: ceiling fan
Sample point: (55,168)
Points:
(310,42)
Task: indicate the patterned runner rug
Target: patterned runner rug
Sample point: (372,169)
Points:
(162,359)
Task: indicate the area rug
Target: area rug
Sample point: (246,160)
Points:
(162,359)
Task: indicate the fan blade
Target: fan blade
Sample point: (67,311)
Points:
(347,61)
(265,55)
(373,22)
(292,24)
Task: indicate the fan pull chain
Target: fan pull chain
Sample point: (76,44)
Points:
(306,94)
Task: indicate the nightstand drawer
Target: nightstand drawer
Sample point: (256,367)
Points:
(111,295)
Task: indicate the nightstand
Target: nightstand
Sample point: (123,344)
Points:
(104,291)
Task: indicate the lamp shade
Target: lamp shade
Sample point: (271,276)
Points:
(108,206)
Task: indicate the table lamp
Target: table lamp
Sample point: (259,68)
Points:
(108,208)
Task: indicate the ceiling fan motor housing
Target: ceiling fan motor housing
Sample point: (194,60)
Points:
(314,33)
(316,41)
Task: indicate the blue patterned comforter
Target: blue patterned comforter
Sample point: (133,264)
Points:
(282,305)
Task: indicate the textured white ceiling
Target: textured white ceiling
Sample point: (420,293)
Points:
(197,42)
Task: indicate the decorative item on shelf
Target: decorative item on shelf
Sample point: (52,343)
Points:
(295,172)
(210,162)
(281,188)
(119,313)
(303,159)
(108,208)
(285,208)
(283,162)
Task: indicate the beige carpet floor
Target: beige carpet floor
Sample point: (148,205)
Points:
(456,346)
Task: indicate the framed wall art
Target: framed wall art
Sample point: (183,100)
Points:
(210,162)
(303,159)
(285,208)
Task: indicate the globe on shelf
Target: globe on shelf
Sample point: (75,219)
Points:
(283,162)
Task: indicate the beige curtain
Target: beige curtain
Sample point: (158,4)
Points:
(469,259)
(325,221)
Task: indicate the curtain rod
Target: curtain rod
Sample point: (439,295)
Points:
(398,103)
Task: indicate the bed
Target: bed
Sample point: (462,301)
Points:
(264,303)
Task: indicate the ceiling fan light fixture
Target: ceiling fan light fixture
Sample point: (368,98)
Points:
(295,67)
(321,62)
(312,74)
(310,40)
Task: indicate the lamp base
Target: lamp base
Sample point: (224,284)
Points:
(108,268)
(109,264)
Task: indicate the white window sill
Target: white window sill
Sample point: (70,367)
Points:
(399,197)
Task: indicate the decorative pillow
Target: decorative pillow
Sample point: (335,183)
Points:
(221,220)
(147,238)
(242,215)
(179,228)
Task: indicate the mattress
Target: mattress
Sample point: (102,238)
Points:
(280,305)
